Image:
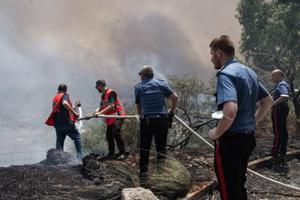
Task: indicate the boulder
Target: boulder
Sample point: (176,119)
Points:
(138,193)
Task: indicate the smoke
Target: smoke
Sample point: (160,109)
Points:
(44,43)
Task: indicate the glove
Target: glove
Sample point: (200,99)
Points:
(170,118)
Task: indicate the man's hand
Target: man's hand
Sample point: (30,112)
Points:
(95,114)
(76,114)
(212,134)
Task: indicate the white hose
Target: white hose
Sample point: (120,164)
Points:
(118,116)
(79,124)
(249,170)
(206,142)
(192,131)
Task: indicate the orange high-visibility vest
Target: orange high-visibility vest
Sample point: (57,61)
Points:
(56,102)
(118,107)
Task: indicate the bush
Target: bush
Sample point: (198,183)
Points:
(94,136)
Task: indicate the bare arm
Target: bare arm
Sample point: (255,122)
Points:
(229,110)
(280,100)
(109,108)
(264,106)
(174,100)
(68,107)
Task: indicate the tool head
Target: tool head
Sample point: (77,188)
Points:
(78,104)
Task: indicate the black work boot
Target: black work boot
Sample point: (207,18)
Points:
(121,155)
(109,156)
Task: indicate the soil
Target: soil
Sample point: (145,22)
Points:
(66,179)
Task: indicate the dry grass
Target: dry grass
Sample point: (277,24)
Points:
(170,179)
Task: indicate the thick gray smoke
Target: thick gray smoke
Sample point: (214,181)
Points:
(44,43)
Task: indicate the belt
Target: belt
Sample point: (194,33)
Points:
(158,116)
(240,133)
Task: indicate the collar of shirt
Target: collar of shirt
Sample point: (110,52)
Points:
(146,80)
(228,62)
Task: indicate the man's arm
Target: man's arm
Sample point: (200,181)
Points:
(264,106)
(174,100)
(280,100)
(229,111)
(109,108)
(68,107)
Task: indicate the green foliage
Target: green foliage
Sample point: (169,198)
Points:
(270,35)
(271,39)
(195,104)
(93,136)
(195,97)
(130,133)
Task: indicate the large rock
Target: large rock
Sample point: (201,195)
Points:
(138,193)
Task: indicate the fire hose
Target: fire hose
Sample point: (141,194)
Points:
(249,170)
(216,115)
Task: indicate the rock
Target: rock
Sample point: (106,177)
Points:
(138,193)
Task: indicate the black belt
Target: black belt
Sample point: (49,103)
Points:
(158,116)
(240,133)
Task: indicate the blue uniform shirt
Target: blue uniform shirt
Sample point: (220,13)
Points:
(281,89)
(151,94)
(236,82)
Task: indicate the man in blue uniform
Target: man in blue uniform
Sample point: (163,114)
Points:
(238,91)
(280,111)
(150,95)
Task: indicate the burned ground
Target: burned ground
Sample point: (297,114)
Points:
(65,179)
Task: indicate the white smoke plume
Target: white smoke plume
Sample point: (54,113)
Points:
(44,43)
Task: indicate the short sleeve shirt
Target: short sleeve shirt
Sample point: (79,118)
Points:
(61,119)
(240,84)
(281,89)
(150,94)
(112,97)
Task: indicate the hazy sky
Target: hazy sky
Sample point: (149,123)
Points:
(46,42)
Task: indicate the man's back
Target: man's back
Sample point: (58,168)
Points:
(61,118)
(151,94)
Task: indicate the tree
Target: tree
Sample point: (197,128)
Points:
(271,39)
(195,104)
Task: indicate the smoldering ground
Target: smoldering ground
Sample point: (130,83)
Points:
(44,43)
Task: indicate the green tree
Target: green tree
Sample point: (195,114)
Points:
(195,105)
(271,39)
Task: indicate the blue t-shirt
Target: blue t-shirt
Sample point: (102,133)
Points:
(281,89)
(239,83)
(151,94)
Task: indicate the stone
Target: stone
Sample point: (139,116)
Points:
(138,193)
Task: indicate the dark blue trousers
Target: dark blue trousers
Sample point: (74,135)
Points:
(73,133)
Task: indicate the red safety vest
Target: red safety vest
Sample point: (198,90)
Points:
(118,107)
(56,102)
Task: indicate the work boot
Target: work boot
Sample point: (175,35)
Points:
(143,178)
(121,156)
(109,156)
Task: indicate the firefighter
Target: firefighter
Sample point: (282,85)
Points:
(63,117)
(111,105)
